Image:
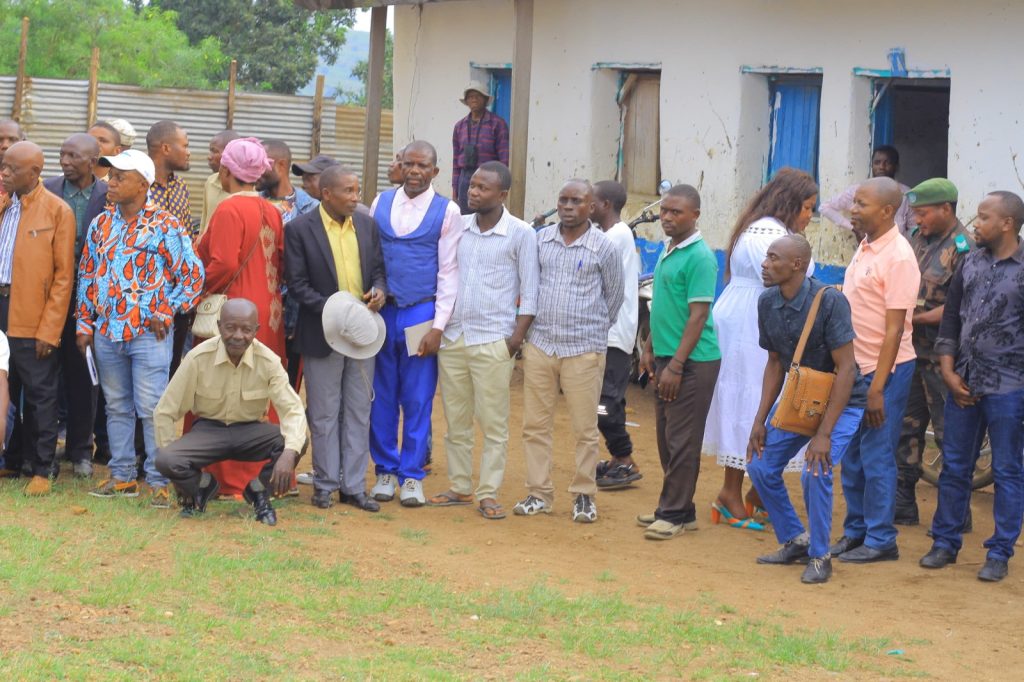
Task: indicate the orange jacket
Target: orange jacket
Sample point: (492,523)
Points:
(43,274)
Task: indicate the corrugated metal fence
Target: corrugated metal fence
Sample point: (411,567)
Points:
(54,109)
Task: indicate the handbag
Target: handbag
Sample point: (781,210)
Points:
(806,392)
(208,310)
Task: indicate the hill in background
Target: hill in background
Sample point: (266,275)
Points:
(339,76)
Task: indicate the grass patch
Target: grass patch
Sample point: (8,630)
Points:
(122,592)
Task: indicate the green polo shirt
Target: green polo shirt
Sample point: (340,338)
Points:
(685,274)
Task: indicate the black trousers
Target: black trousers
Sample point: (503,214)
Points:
(79,397)
(182,326)
(36,380)
(680,426)
(611,411)
(209,442)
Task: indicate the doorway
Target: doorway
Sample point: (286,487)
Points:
(912,115)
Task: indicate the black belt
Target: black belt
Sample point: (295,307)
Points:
(392,301)
(5,290)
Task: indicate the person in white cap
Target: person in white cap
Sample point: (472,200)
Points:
(335,263)
(228,382)
(480,137)
(137,272)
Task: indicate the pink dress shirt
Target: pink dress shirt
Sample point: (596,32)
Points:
(406,216)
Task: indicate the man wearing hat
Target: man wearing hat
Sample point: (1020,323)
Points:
(940,242)
(480,137)
(334,262)
(228,382)
(138,271)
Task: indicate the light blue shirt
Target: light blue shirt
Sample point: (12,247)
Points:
(8,233)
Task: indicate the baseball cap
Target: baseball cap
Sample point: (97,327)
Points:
(932,192)
(314,166)
(131,159)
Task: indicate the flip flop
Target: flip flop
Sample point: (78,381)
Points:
(492,511)
(450,499)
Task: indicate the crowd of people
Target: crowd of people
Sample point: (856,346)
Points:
(129,316)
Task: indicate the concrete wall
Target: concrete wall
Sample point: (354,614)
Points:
(714,119)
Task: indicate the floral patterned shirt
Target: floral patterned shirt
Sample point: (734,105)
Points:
(135,270)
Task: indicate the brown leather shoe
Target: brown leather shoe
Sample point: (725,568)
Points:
(38,486)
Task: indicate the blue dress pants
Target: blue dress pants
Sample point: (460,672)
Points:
(405,386)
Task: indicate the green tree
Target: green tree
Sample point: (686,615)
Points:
(141,48)
(277,44)
(362,71)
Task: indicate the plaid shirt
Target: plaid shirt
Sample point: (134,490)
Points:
(135,270)
(174,198)
(490,137)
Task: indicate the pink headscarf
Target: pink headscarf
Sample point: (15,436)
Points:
(246,159)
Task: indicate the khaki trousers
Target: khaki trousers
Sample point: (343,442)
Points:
(475,383)
(580,379)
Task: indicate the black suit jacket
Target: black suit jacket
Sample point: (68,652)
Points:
(312,277)
(97,202)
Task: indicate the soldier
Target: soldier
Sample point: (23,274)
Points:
(940,241)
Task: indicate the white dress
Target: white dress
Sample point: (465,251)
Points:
(738,391)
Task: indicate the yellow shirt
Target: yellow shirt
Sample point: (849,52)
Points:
(213,194)
(345,249)
(210,386)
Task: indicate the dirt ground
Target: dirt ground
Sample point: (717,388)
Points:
(950,624)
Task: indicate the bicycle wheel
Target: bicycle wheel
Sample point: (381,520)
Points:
(931,465)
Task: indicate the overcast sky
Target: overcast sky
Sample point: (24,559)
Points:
(363,20)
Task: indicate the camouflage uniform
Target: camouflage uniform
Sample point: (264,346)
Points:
(938,258)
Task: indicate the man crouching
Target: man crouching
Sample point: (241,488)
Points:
(226,382)
(782,312)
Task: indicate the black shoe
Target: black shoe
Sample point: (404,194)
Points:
(208,487)
(603,467)
(619,476)
(790,553)
(819,570)
(938,557)
(868,555)
(993,571)
(256,495)
(360,501)
(845,544)
(188,508)
(322,499)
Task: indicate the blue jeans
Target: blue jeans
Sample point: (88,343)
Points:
(133,375)
(766,474)
(869,471)
(402,385)
(1003,415)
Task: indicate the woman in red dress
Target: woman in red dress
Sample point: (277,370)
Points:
(242,251)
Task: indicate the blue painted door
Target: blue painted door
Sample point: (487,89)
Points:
(881,117)
(794,125)
(501,92)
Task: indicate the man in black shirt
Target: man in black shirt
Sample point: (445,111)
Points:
(782,311)
(981,353)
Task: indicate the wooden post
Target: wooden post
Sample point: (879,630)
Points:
(374,97)
(318,116)
(232,79)
(522,63)
(94,82)
(19,84)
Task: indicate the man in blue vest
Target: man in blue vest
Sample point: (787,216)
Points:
(419,234)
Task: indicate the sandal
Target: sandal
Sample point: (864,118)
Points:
(759,514)
(490,510)
(450,498)
(720,513)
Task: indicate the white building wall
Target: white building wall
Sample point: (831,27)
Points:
(714,119)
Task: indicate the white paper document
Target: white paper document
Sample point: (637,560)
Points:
(415,334)
(92,366)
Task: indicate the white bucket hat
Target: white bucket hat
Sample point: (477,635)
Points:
(351,328)
(476,86)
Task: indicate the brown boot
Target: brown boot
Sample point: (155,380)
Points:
(38,486)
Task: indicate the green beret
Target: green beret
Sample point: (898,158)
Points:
(932,192)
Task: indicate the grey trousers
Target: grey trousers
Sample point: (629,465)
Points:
(209,442)
(338,397)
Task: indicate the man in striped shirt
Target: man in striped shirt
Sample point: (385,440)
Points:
(497,265)
(581,292)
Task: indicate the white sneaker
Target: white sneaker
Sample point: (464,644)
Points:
(305,479)
(412,493)
(384,491)
(584,510)
(531,506)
